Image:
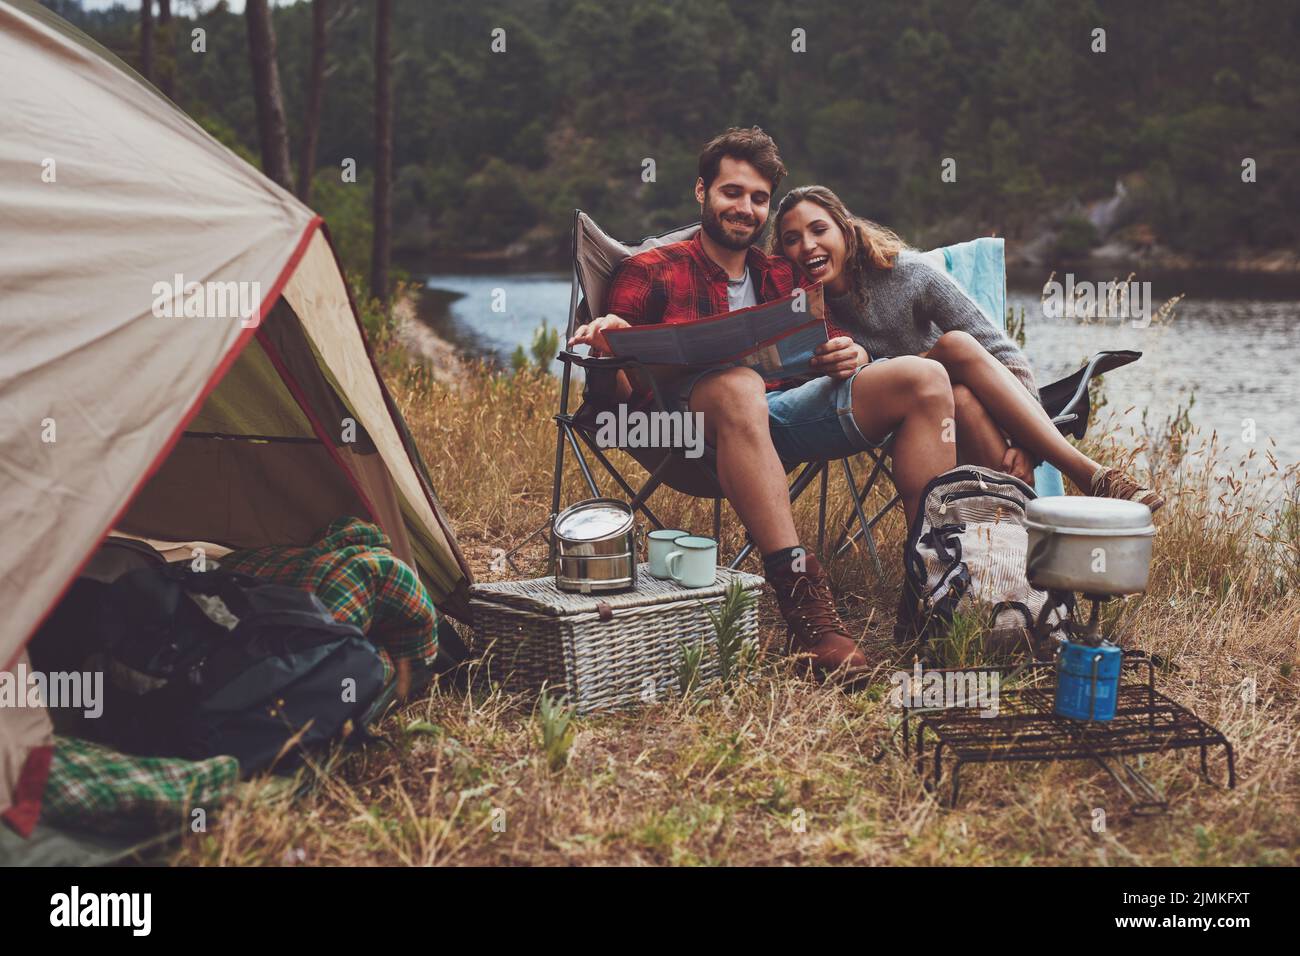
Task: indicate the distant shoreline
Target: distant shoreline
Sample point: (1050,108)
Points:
(417,334)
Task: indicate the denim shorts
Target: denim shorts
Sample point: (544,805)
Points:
(808,422)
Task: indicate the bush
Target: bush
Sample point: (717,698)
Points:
(1076,238)
(540,355)
(493,210)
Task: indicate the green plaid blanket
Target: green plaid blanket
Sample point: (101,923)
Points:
(355,574)
(97,788)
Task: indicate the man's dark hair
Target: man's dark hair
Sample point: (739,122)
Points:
(752,145)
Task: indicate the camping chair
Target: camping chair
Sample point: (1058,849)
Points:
(595,257)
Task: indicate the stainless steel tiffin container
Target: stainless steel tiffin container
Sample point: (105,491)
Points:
(595,547)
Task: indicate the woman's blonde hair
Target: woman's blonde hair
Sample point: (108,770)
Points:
(868,245)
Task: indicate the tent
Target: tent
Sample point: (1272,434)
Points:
(179,355)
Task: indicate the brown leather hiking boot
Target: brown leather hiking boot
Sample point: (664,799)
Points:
(816,632)
(1113,483)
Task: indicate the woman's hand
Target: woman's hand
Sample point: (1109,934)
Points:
(593,333)
(839,357)
(1019,463)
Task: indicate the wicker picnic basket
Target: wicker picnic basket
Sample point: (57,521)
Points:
(602,650)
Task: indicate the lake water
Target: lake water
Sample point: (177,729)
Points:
(1234,343)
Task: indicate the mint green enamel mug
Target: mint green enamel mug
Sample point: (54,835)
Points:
(659,544)
(693,561)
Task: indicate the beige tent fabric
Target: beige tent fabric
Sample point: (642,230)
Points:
(139,194)
(320,299)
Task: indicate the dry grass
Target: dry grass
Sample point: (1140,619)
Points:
(726,778)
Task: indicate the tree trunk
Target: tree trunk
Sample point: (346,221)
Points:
(167,62)
(272,132)
(383,154)
(315,90)
(146,39)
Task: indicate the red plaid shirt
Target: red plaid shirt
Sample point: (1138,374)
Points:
(680,283)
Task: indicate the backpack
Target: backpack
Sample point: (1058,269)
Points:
(965,555)
(205,663)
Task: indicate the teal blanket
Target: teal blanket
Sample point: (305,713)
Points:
(979,267)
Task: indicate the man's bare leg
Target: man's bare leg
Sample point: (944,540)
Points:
(734,405)
(912,397)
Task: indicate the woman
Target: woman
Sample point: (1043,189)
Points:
(892,303)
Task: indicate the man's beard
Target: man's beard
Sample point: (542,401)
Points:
(715,230)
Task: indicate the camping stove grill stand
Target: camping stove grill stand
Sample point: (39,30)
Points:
(1027,728)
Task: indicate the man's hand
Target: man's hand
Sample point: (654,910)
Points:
(839,356)
(593,333)
(1019,463)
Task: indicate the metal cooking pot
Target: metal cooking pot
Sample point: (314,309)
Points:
(1098,546)
(595,547)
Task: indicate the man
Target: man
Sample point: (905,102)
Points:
(751,429)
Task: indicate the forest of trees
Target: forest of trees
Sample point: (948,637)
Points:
(488,148)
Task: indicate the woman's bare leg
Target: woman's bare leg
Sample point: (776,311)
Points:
(979,440)
(912,397)
(1010,406)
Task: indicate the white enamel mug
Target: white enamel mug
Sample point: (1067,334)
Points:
(660,543)
(693,562)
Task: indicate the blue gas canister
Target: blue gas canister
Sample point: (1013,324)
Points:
(1087,681)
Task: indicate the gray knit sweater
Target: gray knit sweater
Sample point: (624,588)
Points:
(911,305)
